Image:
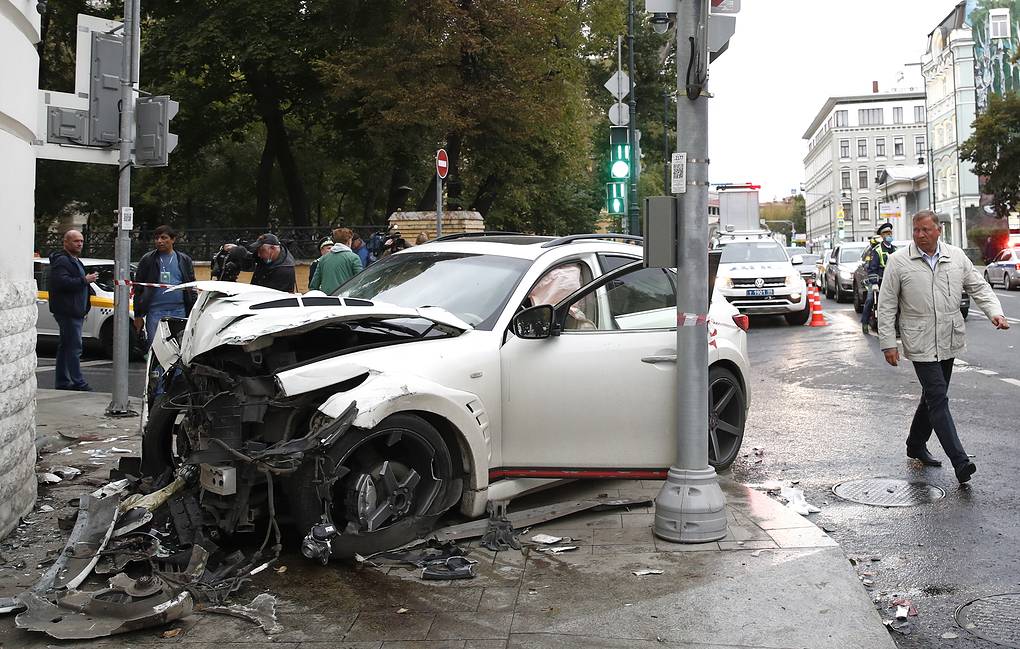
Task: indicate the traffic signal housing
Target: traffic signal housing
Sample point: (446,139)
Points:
(619,153)
(153,139)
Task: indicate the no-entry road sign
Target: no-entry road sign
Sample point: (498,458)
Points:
(442,163)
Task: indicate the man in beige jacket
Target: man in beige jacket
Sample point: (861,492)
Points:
(924,283)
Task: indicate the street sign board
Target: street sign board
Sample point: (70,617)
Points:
(888,211)
(442,163)
(678,178)
(725,6)
(619,114)
(618,84)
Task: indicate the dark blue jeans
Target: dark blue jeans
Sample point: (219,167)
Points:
(869,304)
(933,411)
(68,371)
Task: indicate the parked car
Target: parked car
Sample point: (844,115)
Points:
(464,370)
(839,271)
(820,266)
(1005,269)
(860,290)
(758,277)
(808,267)
(98,327)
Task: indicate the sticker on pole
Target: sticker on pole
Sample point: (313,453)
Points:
(678,178)
(442,163)
(127,218)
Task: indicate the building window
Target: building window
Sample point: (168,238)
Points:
(862,148)
(848,211)
(870,117)
(898,146)
(998,23)
(865,213)
(919,114)
(844,179)
(918,145)
(880,147)
(841,119)
(844,149)
(862,178)
(897,115)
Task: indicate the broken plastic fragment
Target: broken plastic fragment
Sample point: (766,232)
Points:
(45,508)
(647,571)
(796,502)
(546,538)
(48,478)
(949,635)
(65,472)
(557,549)
(261,611)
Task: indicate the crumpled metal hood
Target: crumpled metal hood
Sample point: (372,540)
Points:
(224,315)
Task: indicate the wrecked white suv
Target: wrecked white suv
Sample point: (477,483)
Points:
(434,378)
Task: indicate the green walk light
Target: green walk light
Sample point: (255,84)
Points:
(620,167)
(616,197)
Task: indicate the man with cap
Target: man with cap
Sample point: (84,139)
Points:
(876,259)
(270,262)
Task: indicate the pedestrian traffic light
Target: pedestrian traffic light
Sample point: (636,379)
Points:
(616,197)
(619,153)
(153,139)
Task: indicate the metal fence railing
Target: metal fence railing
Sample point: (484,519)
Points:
(200,244)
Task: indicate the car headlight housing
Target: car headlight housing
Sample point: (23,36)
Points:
(723,281)
(793,279)
(845,274)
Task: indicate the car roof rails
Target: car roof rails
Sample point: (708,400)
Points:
(465,235)
(588,237)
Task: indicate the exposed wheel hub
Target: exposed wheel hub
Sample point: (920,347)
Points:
(383,495)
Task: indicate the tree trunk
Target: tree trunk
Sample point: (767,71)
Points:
(267,104)
(263,182)
(487,194)
(400,177)
(454,187)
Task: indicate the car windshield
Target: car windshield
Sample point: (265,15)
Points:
(751,251)
(105,279)
(473,287)
(796,250)
(850,253)
(809,259)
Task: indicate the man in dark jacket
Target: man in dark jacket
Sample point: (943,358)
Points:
(164,265)
(270,262)
(69,288)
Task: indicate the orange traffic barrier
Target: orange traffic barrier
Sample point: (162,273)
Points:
(817,317)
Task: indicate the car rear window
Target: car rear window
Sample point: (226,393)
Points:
(851,253)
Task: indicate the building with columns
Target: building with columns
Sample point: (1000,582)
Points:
(19,75)
(851,141)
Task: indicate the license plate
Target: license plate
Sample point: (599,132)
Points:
(759,292)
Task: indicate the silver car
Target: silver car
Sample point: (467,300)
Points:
(1005,269)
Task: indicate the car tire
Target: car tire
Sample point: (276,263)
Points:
(378,460)
(828,289)
(158,452)
(136,351)
(800,317)
(1006,284)
(840,296)
(858,304)
(727,413)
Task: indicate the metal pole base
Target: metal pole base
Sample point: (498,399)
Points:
(116,410)
(690,507)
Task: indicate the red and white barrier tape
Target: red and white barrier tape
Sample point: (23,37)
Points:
(127,282)
(692,319)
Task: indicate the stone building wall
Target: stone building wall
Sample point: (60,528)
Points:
(19,31)
(411,224)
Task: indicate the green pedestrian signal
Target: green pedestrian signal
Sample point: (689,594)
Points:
(616,197)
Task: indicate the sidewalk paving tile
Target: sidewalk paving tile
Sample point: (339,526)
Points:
(634,548)
(424,644)
(624,535)
(390,626)
(553,641)
(748,545)
(477,626)
(802,537)
(662,545)
(638,520)
(297,627)
(499,599)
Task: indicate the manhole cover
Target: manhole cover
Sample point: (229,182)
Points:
(886,492)
(995,618)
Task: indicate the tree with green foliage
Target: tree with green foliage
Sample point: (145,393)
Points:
(994,148)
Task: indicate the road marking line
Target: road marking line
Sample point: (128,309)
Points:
(51,368)
(1015,382)
(988,372)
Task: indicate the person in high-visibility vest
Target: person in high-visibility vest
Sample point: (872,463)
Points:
(876,259)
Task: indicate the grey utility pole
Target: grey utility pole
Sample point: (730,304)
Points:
(119,404)
(633,216)
(690,507)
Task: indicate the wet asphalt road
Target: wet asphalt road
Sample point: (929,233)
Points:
(96,368)
(826,408)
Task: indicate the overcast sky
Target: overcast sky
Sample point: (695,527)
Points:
(786,58)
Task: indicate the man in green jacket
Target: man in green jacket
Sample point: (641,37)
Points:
(923,283)
(336,266)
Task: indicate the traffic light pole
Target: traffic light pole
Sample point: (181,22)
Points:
(690,507)
(119,405)
(633,216)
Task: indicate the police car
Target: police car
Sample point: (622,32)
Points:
(758,277)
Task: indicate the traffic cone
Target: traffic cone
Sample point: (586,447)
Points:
(817,317)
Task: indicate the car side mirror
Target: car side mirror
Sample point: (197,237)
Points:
(797,260)
(534,323)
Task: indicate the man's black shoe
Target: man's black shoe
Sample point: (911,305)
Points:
(923,456)
(84,387)
(965,471)
(865,329)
